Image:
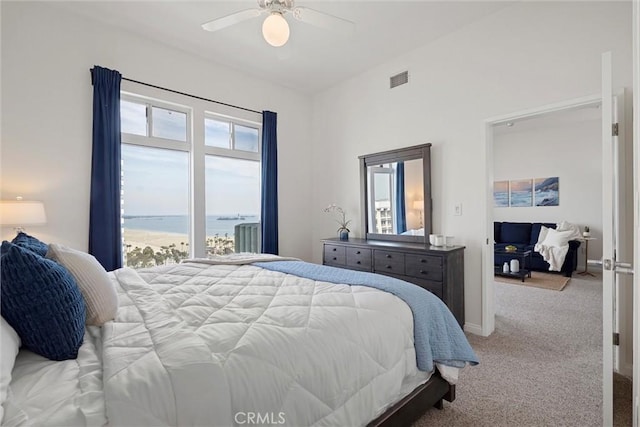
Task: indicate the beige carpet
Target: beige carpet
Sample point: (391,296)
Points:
(541,367)
(555,282)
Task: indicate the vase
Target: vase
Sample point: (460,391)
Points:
(343,234)
(515,265)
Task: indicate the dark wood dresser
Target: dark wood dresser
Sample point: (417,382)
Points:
(439,270)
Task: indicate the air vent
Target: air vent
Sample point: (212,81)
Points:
(399,79)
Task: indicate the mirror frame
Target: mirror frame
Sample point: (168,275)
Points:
(423,152)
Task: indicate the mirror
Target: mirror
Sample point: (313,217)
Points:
(396,194)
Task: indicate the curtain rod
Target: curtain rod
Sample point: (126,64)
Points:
(192,96)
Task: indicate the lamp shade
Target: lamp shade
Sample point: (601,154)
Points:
(275,29)
(22,212)
(418,204)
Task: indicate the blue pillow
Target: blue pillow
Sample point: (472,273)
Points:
(42,302)
(515,232)
(497,237)
(31,243)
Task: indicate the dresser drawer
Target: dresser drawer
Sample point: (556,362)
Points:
(433,287)
(359,258)
(388,262)
(424,267)
(334,254)
(425,261)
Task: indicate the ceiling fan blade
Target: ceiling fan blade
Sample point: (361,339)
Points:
(324,20)
(234,18)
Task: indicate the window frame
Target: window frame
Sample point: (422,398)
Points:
(197,111)
(233,152)
(155,141)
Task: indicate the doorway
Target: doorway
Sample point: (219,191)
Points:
(623,359)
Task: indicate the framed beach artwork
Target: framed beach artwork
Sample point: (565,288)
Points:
(501,194)
(547,191)
(521,193)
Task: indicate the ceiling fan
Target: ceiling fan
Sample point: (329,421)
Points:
(275,28)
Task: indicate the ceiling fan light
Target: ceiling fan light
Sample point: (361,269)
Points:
(275,30)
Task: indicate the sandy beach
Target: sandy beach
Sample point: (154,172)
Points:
(157,239)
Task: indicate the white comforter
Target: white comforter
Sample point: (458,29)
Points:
(48,393)
(195,344)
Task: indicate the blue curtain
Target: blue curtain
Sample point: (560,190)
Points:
(401,213)
(269,202)
(105,239)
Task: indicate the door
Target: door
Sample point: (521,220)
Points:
(636,207)
(616,232)
(609,209)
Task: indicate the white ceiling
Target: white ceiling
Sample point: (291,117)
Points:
(314,58)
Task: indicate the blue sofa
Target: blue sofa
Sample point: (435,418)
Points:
(524,236)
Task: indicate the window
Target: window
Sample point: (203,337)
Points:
(382,190)
(231,135)
(161,182)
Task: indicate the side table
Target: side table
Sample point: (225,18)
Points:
(586,256)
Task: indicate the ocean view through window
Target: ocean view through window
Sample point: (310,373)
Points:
(161,180)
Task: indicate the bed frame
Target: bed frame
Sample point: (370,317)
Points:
(415,404)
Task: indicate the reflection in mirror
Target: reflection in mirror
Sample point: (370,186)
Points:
(396,198)
(395,194)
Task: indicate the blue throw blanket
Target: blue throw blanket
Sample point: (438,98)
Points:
(438,337)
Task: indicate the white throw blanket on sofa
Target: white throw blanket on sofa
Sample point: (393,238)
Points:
(553,245)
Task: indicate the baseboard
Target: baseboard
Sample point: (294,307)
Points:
(473,329)
(626,370)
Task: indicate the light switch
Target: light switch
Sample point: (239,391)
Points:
(457,209)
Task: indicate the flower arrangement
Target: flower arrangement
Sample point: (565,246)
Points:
(341,217)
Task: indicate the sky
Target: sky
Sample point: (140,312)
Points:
(157,181)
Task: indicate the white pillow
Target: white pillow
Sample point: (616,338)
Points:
(557,238)
(9,347)
(576,234)
(100,296)
(543,233)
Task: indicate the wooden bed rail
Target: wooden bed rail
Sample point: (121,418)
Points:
(415,404)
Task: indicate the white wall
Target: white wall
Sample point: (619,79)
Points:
(528,55)
(47,114)
(545,147)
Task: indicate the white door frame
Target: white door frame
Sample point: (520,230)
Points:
(488,289)
(636,179)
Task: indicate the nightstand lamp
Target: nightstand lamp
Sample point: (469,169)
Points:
(20,213)
(419,206)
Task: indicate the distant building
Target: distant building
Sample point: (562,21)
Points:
(384,217)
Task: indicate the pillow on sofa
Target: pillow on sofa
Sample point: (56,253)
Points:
(555,238)
(41,301)
(9,347)
(515,232)
(535,231)
(542,234)
(497,226)
(100,296)
(31,243)
(576,233)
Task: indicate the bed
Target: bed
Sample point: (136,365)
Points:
(254,340)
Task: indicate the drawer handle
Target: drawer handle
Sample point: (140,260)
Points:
(423,272)
(388,256)
(335,259)
(423,260)
(357,262)
(357,252)
(334,249)
(388,266)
